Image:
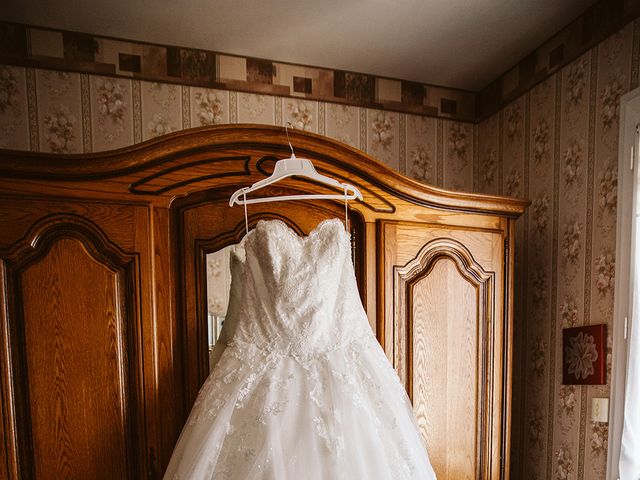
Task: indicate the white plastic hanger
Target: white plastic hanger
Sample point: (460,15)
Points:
(300,167)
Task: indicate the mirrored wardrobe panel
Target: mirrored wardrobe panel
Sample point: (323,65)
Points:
(218,286)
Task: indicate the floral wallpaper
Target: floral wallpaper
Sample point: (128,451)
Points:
(557,145)
(68,112)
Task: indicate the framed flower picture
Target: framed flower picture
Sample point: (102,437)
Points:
(584,355)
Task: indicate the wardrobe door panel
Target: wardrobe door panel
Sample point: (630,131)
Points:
(67,381)
(444,332)
(72,352)
(445,359)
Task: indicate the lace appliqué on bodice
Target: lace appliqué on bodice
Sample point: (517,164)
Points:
(299,295)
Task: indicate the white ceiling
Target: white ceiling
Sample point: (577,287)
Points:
(455,43)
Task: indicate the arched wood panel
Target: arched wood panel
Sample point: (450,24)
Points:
(448,344)
(445,361)
(441,300)
(72,330)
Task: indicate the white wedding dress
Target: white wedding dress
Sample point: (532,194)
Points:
(303,390)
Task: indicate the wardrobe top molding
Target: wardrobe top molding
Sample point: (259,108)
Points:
(222,157)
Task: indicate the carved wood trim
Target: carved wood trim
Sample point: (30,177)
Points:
(507,354)
(185,146)
(405,279)
(34,246)
(381,290)
(43,234)
(135,186)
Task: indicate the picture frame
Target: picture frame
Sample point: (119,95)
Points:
(584,355)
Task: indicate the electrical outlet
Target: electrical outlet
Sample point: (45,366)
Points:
(600,410)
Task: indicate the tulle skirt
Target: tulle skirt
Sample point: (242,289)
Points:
(262,415)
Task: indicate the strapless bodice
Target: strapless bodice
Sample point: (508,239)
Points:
(295,295)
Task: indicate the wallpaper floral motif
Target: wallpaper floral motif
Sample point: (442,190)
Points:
(459,152)
(67,112)
(557,145)
(60,127)
(204,106)
(209,107)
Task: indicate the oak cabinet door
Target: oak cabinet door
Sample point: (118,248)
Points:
(443,330)
(71,341)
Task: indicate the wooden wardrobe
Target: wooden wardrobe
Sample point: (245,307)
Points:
(103,322)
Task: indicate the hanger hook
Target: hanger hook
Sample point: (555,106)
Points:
(286,129)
